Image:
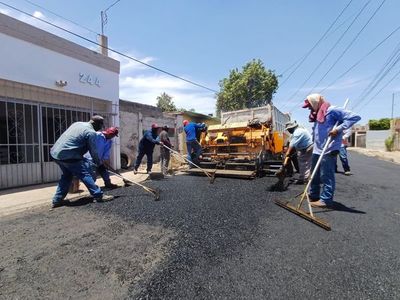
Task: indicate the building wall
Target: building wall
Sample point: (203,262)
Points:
(375,139)
(135,118)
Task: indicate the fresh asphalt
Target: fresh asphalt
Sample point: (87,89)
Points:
(233,242)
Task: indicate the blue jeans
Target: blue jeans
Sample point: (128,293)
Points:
(343,158)
(149,156)
(195,147)
(325,175)
(80,169)
(102,171)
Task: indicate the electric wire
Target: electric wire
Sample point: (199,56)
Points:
(348,47)
(110,49)
(52,12)
(373,97)
(317,43)
(329,52)
(360,60)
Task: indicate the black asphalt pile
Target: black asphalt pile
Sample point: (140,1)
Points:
(233,242)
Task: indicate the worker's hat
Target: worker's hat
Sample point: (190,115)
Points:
(154,125)
(290,125)
(185,122)
(111,130)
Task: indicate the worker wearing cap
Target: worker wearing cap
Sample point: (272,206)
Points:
(300,142)
(324,116)
(68,152)
(103,145)
(165,154)
(146,147)
(193,146)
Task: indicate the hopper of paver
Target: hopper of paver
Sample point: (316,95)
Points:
(247,143)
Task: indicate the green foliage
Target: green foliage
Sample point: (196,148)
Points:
(381,124)
(251,87)
(164,101)
(389,143)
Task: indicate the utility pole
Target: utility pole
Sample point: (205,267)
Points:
(103,38)
(392,105)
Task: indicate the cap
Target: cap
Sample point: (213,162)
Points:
(185,122)
(290,125)
(154,125)
(111,130)
(306,104)
(97,119)
(165,127)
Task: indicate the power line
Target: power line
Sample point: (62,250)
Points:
(348,46)
(110,49)
(360,60)
(73,22)
(329,52)
(317,43)
(373,97)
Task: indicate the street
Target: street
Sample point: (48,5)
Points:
(226,240)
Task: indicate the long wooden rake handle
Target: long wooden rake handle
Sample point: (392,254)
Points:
(305,193)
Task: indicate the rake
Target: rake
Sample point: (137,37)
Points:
(296,209)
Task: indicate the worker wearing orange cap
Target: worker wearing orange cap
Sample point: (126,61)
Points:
(146,147)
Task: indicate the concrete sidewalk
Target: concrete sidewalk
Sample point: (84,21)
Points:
(23,199)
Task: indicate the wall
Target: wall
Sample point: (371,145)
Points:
(375,139)
(135,118)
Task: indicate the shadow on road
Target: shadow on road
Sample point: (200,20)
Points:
(84,201)
(337,206)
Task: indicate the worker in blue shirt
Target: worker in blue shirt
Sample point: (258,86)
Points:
(103,144)
(343,153)
(146,147)
(300,142)
(68,152)
(193,146)
(324,116)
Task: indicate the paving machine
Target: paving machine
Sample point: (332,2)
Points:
(247,143)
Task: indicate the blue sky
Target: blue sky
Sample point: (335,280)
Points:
(203,40)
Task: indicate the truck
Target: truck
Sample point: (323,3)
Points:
(248,143)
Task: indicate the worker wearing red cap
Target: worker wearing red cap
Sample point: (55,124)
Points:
(193,146)
(103,145)
(146,147)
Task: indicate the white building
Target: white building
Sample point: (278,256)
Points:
(46,83)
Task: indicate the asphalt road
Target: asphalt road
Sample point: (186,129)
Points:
(228,240)
(234,242)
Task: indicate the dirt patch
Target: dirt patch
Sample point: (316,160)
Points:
(393,156)
(73,253)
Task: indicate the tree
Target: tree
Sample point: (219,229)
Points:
(164,101)
(381,124)
(251,87)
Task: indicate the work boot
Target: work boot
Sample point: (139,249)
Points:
(299,182)
(105,198)
(347,173)
(134,171)
(148,172)
(59,204)
(110,185)
(320,204)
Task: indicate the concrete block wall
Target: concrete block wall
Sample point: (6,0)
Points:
(135,118)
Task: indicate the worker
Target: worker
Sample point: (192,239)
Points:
(165,154)
(192,144)
(146,147)
(68,152)
(343,153)
(325,116)
(104,144)
(300,142)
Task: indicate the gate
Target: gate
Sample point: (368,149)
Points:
(27,133)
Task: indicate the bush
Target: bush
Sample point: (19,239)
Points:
(389,143)
(381,124)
